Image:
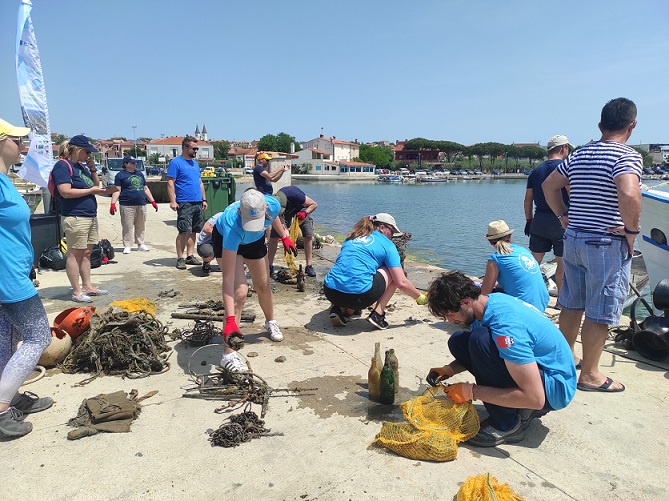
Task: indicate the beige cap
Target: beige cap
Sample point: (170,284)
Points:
(558,140)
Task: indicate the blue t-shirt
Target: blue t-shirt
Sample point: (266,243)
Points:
(263,184)
(186,175)
(537,177)
(132,187)
(358,260)
(16,250)
(86,206)
(229,225)
(295,199)
(524,335)
(520,276)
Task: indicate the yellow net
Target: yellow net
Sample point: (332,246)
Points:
(294,234)
(486,488)
(434,428)
(135,304)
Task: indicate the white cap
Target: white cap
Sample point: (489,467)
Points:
(383,217)
(252,207)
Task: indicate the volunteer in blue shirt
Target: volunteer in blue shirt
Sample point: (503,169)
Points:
(77,182)
(514,268)
(238,239)
(522,363)
(22,315)
(368,270)
(132,196)
(187,198)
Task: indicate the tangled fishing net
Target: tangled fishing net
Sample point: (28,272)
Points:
(199,334)
(135,304)
(486,488)
(434,428)
(120,343)
(242,428)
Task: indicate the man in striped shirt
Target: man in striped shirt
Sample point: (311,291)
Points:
(600,226)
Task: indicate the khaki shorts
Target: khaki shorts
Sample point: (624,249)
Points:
(80,231)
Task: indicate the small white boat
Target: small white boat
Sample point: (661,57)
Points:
(389,179)
(654,234)
(432,179)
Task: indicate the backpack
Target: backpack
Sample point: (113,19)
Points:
(53,189)
(52,258)
(96,256)
(107,249)
(102,253)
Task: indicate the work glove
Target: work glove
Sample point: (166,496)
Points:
(437,374)
(301,216)
(155,205)
(112,209)
(528,223)
(422,299)
(460,393)
(231,327)
(289,246)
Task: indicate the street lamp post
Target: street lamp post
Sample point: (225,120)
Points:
(134,138)
(162,149)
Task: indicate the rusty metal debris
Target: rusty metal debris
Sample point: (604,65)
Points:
(201,333)
(241,428)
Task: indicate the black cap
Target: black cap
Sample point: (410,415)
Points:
(129,160)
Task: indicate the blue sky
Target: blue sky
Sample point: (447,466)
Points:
(467,71)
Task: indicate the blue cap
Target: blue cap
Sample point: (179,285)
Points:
(129,160)
(83,142)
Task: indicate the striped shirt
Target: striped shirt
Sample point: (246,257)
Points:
(591,171)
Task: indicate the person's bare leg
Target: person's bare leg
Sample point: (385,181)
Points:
(181,241)
(381,304)
(190,243)
(559,273)
(259,269)
(85,270)
(272,245)
(539,256)
(308,249)
(593,337)
(72,266)
(241,289)
(570,324)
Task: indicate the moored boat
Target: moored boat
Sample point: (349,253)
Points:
(654,234)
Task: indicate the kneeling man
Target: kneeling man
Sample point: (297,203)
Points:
(521,362)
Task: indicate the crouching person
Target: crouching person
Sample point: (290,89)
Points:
(521,362)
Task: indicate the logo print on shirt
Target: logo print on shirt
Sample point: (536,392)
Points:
(529,264)
(504,341)
(364,241)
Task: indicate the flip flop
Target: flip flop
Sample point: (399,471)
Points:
(97,292)
(605,387)
(579,364)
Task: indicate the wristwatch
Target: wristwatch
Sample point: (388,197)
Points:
(631,232)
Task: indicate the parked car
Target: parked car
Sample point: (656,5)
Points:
(248,170)
(647,171)
(495,172)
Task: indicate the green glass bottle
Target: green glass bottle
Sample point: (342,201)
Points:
(396,367)
(387,384)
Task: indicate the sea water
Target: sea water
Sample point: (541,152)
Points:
(448,221)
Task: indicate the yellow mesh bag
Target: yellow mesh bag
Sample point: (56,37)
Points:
(294,234)
(486,488)
(136,304)
(433,429)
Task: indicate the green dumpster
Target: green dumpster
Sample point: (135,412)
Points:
(220,192)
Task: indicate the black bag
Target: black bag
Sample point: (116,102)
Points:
(52,258)
(107,249)
(96,256)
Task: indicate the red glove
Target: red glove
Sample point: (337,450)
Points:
(460,393)
(230,327)
(301,216)
(289,246)
(155,205)
(112,209)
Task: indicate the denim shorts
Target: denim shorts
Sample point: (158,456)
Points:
(190,217)
(596,275)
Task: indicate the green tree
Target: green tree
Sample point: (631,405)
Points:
(59,138)
(534,153)
(221,149)
(154,159)
(135,152)
(381,156)
(267,143)
(646,156)
(450,150)
(478,150)
(494,150)
(280,142)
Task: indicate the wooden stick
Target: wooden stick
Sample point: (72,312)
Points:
(246,316)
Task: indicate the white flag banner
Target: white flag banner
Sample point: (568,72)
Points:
(39,159)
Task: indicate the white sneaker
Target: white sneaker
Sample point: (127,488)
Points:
(127,250)
(274,331)
(232,362)
(142,248)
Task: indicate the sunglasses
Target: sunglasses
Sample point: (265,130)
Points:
(194,148)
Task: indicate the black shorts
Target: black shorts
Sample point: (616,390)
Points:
(254,250)
(357,301)
(190,217)
(546,233)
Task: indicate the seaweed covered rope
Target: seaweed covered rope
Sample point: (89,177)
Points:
(120,343)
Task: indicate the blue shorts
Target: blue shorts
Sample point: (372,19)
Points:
(596,275)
